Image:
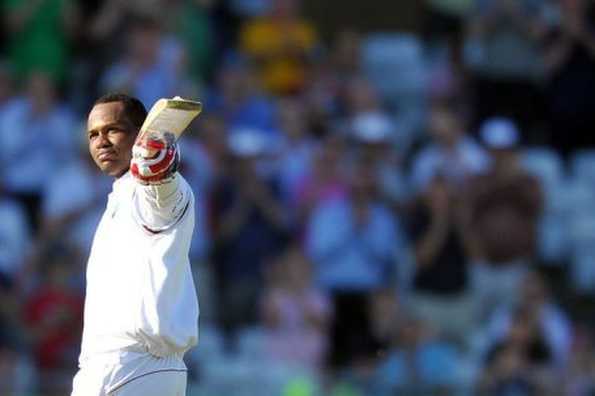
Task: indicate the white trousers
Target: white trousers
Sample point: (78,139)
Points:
(131,374)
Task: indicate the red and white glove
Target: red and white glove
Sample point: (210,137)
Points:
(155,158)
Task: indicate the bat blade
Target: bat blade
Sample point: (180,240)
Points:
(171,115)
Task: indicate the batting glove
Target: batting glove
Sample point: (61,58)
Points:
(155,158)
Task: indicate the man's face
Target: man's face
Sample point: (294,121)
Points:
(111,137)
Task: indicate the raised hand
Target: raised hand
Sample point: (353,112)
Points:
(155,158)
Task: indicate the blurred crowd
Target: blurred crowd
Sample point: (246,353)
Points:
(378,213)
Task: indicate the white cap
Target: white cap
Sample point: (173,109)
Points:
(247,142)
(499,133)
(372,127)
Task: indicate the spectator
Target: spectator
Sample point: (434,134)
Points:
(346,54)
(537,303)
(580,371)
(189,20)
(151,67)
(298,148)
(212,135)
(39,33)
(195,165)
(451,153)
(570,87)
(36,130)
(11,331)
(16,374)
(360,96)
(74,213)
(352,242)
(374,134)
(521,362)
(281,43)
(249,226)
(6,85)
(15,237)
(296,313)
(327,179)
(54,316)
(417,363)
(441,294)
(504,204)
(504,54)
(238,99)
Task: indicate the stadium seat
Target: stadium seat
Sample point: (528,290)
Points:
(251,342)
(582,271)
(582,230)
(582,166)
(574,198)
(210,345)
(395,64)
(547,165)
(552,239)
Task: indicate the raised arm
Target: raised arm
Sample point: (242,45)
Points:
(162,197)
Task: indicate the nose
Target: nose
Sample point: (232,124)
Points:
(102,141)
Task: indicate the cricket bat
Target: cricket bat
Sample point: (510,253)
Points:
(171,116)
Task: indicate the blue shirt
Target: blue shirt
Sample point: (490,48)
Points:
(349,258)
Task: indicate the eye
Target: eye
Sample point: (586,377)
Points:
(113,131)
(93,135)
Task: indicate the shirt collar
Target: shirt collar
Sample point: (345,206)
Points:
(121,181)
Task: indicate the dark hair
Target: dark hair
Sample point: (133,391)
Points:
(133,108)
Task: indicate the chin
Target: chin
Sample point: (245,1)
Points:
(112,170)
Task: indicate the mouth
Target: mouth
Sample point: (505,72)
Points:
(107,156)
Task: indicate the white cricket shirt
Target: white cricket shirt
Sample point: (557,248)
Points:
(140,291)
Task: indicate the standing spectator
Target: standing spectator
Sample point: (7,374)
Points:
(38,131)
(327,179)
(39,32)
(374,134)
(296,313)
(504,206)
(450,153)
(151,66)
(570,88)
(441,294)
(504,54)
(249,226)
(281,43)
(352,243)
(298,148)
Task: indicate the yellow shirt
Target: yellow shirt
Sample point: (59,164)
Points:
(280,49)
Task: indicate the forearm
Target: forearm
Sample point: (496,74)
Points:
(160,205)
(429,246)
